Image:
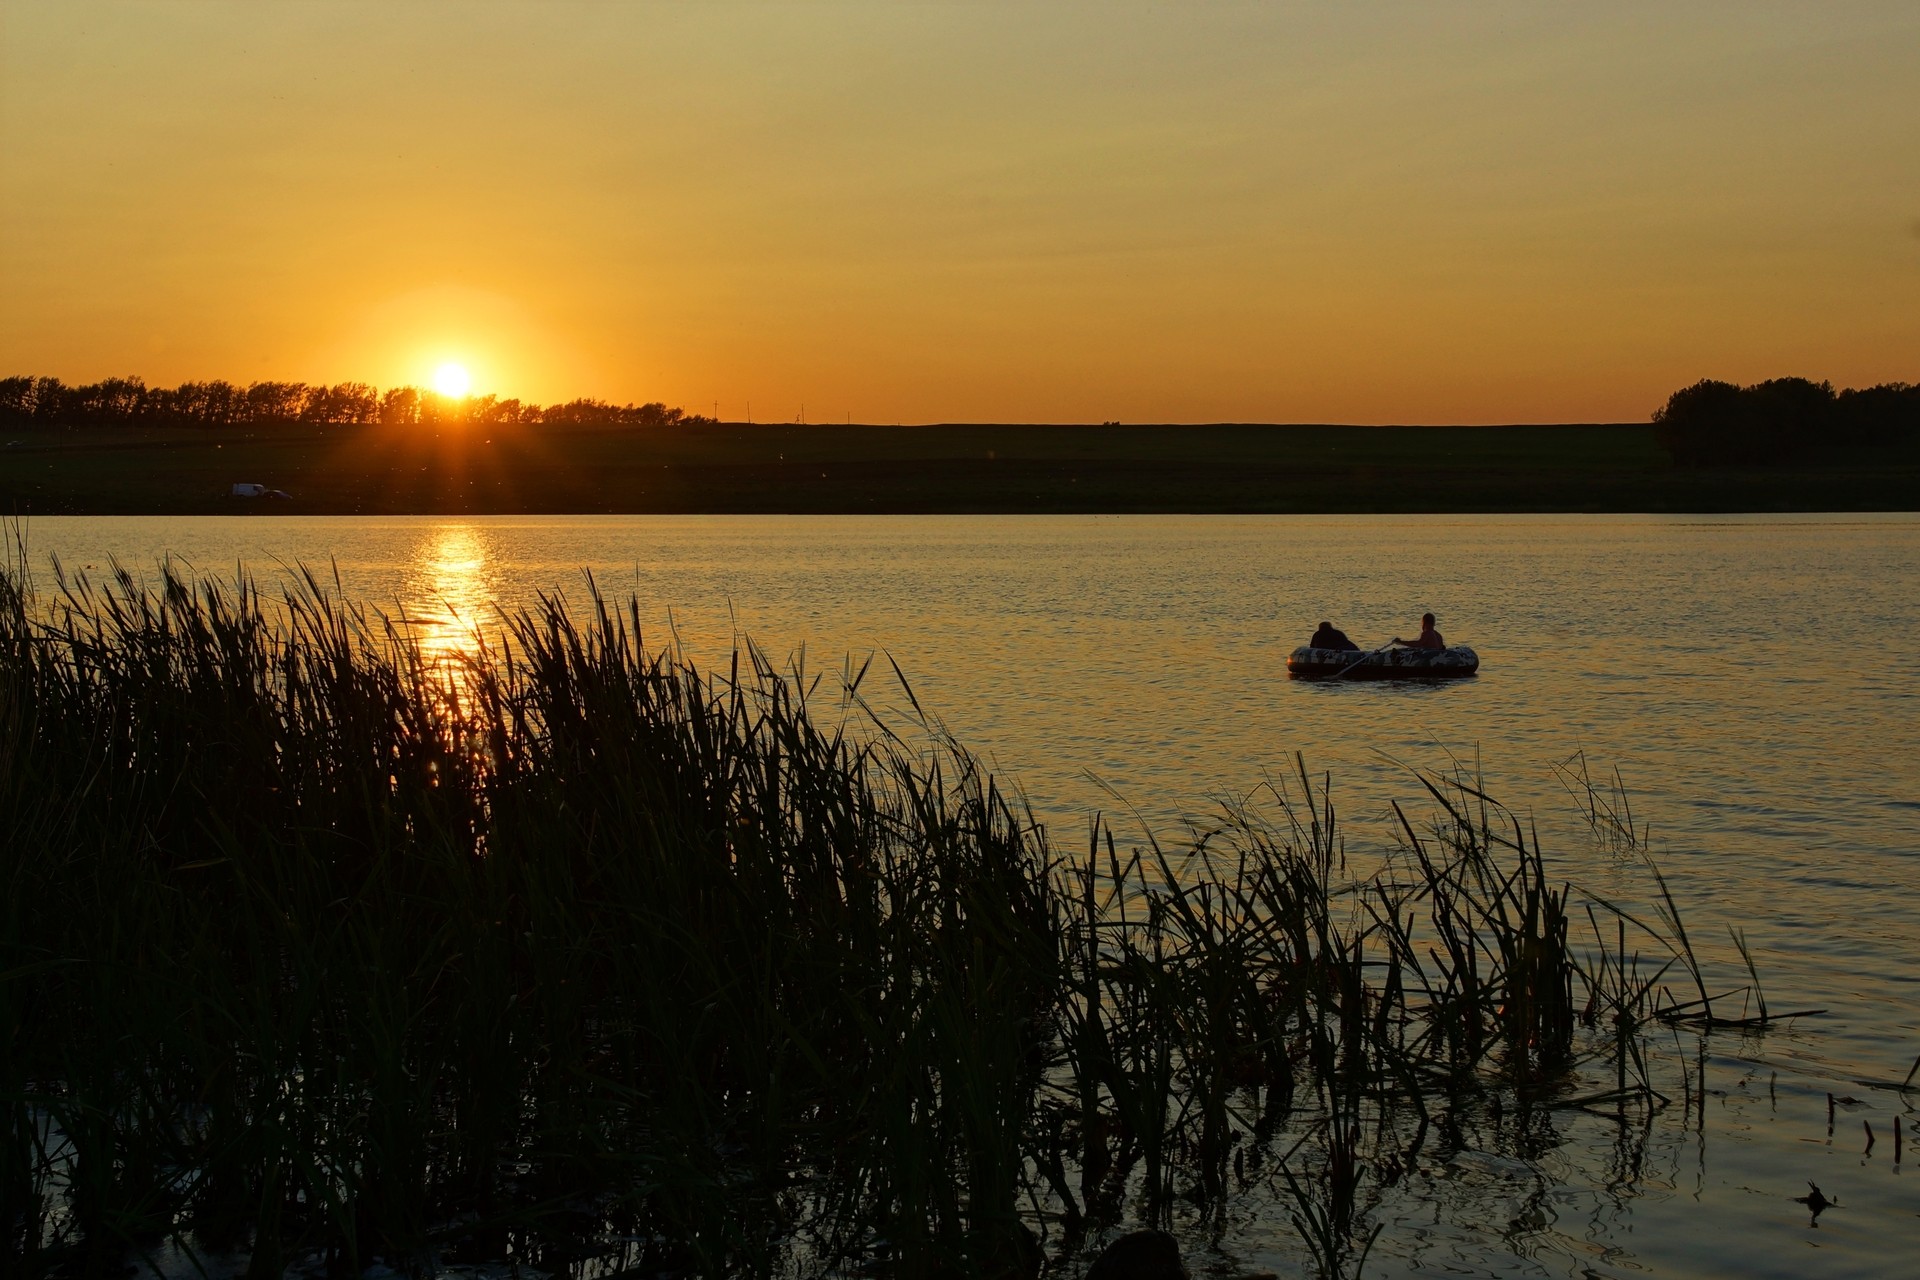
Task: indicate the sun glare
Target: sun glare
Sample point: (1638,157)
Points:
(452,380)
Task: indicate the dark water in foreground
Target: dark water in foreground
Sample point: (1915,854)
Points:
(1747,676)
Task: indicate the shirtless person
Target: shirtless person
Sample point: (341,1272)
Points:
(1429,638)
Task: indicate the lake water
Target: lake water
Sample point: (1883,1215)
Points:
(1748,676)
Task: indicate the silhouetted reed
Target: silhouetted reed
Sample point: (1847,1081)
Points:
(569,951)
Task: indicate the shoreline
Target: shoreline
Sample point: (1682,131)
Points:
(734,469)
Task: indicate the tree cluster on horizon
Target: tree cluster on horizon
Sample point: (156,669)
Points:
(1783,420)
(129,401)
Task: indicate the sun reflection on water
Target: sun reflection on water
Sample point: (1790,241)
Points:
(450,594)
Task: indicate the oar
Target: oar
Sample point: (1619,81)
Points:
(1362,658)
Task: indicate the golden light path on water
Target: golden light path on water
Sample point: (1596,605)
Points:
(451,589)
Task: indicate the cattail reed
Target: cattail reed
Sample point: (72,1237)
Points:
(573,952)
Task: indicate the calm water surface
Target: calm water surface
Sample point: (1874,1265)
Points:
(1750,677)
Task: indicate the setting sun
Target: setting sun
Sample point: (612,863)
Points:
(452,380)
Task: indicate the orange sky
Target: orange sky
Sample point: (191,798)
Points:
(1036,211)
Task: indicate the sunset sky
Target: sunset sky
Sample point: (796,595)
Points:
(1034,211)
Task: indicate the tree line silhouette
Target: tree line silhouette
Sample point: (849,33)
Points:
(1784,420)
(1710,423)
(128,401)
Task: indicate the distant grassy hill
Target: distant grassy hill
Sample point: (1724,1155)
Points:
(947,468)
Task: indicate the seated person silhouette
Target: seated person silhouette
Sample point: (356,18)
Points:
(1331,637)
(1429,638)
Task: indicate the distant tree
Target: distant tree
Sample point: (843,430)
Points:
(436,408)
(656,415)
(211,404)
(346,402)
(111,400)
(1877,418)
(164,406)
(400,406)
(360,402)
(275,401)
(488,411)
(1701,424)
(33,399)
(1774,423)
(1789,417)
(580,412)
(584,412)
(16,399)
(50,399)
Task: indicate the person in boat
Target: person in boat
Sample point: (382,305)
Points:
(1429,638)
(1331,637)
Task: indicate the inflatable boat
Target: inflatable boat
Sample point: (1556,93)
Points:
(1309,663)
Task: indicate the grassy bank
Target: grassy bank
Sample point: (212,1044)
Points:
(734,468)
(577,955)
